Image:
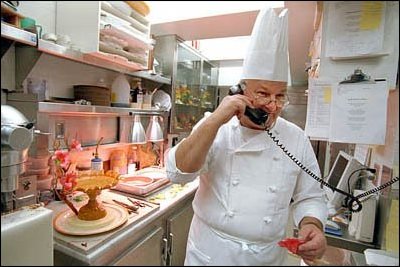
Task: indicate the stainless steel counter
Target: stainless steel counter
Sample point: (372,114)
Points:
(346,241)
(102,249)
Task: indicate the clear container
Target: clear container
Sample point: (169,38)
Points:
(43,171)
(118,161)
(38,162)
(38,87)
(147,100)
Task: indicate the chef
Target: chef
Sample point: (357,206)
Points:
(247,184)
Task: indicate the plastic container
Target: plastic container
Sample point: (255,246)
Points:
(38,162)
(147,100)
(120,91)
(43,171)
(118,161)
(38,87)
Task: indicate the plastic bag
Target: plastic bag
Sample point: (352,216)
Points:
(292,244)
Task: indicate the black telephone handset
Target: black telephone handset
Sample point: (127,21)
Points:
(256,115)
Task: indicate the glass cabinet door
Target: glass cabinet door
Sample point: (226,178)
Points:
(208,88)
(193,93)
(187,89)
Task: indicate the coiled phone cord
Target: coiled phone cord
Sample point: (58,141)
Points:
(353,203)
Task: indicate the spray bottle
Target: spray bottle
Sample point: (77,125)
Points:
(96,162)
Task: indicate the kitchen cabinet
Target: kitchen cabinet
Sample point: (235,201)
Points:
(178,229)
(85,30)
(193,78)
(29,49)
(106,30)
(166,244)
(148,252)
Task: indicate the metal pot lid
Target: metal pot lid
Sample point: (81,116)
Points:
(12,116)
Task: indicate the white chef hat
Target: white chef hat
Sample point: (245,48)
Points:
(267,54)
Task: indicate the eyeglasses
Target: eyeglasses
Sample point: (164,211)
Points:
(280,100)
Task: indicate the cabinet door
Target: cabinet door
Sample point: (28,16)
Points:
(186,113)
(178,226)
(147,252)
(208,88)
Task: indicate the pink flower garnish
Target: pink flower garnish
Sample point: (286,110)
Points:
(61,158)
(68,181)
(75,145)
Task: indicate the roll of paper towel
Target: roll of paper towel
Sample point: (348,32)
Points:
(27,237)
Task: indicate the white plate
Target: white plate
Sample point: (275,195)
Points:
(66,222)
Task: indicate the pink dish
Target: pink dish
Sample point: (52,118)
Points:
(136,180)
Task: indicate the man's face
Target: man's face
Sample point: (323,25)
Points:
(269,96)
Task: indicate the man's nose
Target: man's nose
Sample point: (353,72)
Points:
(271,106)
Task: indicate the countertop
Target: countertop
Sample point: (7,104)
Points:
(98,249)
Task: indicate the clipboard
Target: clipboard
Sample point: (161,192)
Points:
(358,76)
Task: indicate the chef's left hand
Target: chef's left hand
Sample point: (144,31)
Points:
(315,243)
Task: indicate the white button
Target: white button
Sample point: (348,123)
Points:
(272,189)
(276,158)
(235,182)
(267,220)
(231,214)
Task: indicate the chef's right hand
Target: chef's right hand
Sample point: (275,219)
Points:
(230,106)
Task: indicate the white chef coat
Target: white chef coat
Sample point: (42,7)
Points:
(246,184)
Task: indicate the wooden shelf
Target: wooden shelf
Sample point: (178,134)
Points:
(100,60)
(16,34)
(9,15)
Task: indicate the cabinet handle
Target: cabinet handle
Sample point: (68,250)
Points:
(171,247)
(26,185)
(164,255)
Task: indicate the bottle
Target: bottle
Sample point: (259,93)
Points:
(140,95)
(147,100)
(134,92)
(96,164)
(133,160)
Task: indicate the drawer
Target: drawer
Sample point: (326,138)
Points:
(25,201)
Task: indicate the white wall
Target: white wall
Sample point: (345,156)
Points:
(44,12)
(7,72)
(62,74)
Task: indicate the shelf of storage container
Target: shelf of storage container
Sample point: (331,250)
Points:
(99,60)
(93,109)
